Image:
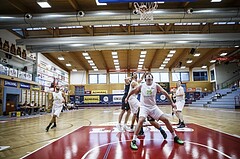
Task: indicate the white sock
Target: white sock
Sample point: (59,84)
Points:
(174,134)
(134,137)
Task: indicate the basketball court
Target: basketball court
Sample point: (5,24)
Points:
(78,27)
(107,142)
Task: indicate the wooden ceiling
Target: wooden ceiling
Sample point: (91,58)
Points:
(128,58)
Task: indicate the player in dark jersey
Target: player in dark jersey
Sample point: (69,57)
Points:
(125,107)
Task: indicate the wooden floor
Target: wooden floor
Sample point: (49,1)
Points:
(26,135)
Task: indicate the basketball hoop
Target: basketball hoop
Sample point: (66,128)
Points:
(145,9)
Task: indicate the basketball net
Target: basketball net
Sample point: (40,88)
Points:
(145,9)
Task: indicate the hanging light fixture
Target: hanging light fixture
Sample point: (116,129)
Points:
(43,4)
(68,64)
(61,58)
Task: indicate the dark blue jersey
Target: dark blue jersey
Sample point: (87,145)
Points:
(126,89)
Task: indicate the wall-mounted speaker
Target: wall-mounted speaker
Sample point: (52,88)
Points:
(180,64)
(192,51)
(25,69)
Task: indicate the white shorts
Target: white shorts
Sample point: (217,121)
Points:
(56,110)
(134,105)
(180,104)
(152,111)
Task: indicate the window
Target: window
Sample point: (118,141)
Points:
(200,76)
(117,78)
(182,76)
(121,78)
(102,78)
(92,79)
(175,76)
(212,75)
(114,78)
(156,77)
(164,77)
(97,78)
(161,77)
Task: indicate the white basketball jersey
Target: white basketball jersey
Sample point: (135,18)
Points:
(130,89)
(179,91)
(148,94)
(57,98)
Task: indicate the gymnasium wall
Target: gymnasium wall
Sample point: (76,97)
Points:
(226,72)
(199,84)
(110,87)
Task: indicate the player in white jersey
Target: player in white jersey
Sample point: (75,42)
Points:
(133,101)
(149,108)
(58,100)
(135,107)
(180,102)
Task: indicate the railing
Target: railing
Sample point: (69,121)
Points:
(237,100)
(228,83)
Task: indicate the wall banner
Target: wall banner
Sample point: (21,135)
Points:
(10,83)
(91,99)
(99,92)
(25,85)
(117,98)
(117,91)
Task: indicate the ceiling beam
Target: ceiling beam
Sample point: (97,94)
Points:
(180,57)
(129,29)
(19,6)
(88,29)
(56,32)
(50,30)
(157,38)
(216,40)
(206,27)
(207,55)
(103,60)
(234,52)
(128,57)
(159,27)
(185,4)
(13,32)
(169,27)
(119,17)
(130,6)
(157,51)
(123,28)
(25,33)
(74,56)
(74,4)
(51,58)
